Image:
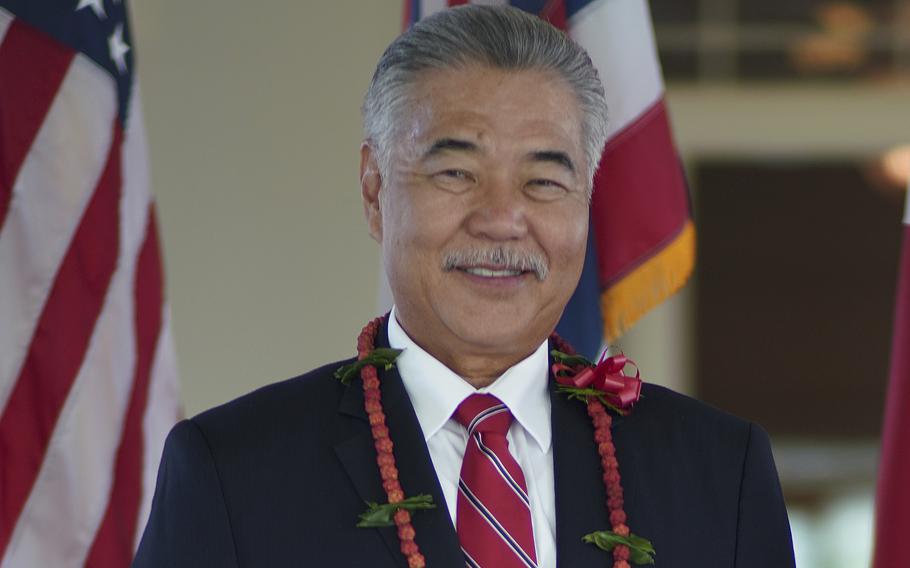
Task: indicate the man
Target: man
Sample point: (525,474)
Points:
(483,129)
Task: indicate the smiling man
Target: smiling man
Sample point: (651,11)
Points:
(483,128)
(483,213)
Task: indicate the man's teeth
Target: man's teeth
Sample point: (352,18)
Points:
(490,273)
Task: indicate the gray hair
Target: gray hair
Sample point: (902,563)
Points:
(498,36)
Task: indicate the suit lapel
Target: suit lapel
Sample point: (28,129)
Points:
(581,502)
(435,534)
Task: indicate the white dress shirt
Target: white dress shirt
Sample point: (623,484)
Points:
(436,391)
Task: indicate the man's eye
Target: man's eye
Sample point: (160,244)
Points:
(456,174)
(546,185)
(545,189)
(454,180)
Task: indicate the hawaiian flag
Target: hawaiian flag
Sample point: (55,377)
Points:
(641,243)
(892,515)
(87,372)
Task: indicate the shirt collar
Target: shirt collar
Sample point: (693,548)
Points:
(436,391)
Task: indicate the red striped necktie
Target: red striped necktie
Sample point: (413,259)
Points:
(493,513)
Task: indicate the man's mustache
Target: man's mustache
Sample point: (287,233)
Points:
(500,257)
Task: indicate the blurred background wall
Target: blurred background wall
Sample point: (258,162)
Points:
(253,121)
(791,117)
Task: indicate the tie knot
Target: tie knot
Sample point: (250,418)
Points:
(484,413)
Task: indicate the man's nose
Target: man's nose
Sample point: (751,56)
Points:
(499,212)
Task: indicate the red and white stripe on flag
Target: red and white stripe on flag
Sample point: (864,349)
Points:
(88,378)
(892,516)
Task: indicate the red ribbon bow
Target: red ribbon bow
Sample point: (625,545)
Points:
(607,377)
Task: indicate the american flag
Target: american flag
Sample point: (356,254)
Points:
(88,386)
(641,242)
(892,518)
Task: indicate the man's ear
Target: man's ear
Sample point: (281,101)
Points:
(370,185)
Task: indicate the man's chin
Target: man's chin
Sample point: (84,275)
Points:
(499,332)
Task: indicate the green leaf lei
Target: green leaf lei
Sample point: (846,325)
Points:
(380,357)
(641,551)
(382,515)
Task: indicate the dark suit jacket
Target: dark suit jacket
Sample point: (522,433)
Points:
(278,477)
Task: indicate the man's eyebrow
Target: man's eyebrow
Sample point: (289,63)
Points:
(444,144)
(555,156)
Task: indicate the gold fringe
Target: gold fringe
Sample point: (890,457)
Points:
(654,281)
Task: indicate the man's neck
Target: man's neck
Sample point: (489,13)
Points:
(479,370)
